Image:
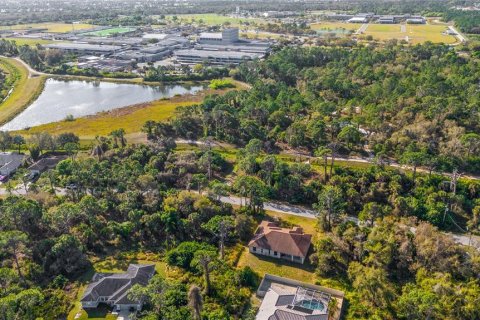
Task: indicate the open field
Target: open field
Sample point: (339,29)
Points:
(385,31)
(25,91)
(109,32)
(414,33)
(29,41)
(51,27)
(337,27)
(433,33)
(214,19)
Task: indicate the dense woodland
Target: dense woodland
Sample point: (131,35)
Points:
(137,197)
(417,105)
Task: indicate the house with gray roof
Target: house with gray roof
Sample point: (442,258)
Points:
(112,289)
(9,162)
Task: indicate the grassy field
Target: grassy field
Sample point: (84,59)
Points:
(29,41)
(334,26)
(385,31)
(51,27)
(214,19)
(109,32)
(414,33)
(25,89)
(433,33)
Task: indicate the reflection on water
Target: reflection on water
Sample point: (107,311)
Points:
(60,99)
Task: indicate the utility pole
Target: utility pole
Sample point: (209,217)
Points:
(453,182)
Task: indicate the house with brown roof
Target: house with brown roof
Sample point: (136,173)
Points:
(112,289)
(282,243)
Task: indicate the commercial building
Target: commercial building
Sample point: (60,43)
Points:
(416,20)
(358,20)
(84,48)
(113,289)
(281,243)
(287,299)
(194,56)
(227,36)
(387,20)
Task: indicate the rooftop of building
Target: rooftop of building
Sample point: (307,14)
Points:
(82,46)
(289,241)
(287,299)
(217,54)
(116,286)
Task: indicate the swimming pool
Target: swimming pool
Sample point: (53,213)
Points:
(312,305)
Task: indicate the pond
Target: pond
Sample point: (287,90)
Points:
(61,99)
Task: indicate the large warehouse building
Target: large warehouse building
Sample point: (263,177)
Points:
(225,48)
(193,56)
(84,48)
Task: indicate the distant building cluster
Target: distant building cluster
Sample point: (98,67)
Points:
(383,19)
(117,49)
(223,48)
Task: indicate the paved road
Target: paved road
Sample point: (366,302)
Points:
(362,29)
(460,36)
(311,214)
(370,160)
(390,163)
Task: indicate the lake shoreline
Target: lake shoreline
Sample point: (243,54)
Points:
(62,98)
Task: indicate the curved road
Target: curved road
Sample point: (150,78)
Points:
(473,241)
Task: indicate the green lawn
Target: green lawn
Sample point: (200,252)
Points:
(425,32)
(109,32)
(282,268)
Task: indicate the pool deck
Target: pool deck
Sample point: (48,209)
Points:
(287,287)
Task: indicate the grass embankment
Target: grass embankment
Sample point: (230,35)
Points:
(25,91)
(29,41)
(130,118)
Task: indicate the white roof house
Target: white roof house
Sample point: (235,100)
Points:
(10,162)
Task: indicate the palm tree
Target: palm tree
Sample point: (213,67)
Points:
(98,148)
(115,135)
(204,259)
(121,137)
(195,301)
(323,153)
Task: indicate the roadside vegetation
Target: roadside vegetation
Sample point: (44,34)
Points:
(131,203)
